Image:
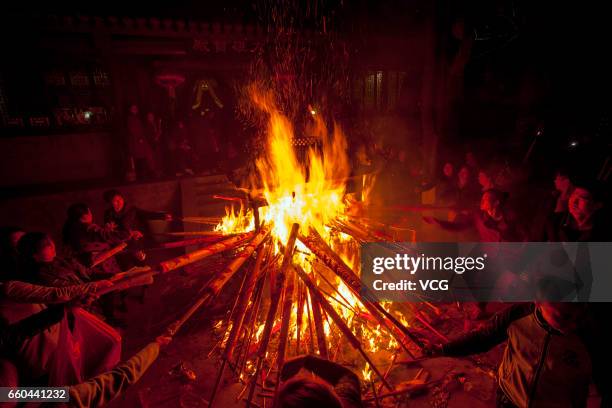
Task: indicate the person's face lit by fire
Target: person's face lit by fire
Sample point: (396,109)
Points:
(491,205)
(581,205)
(448,170)
(46,253)
(150,117)
(463,177)
(87,218)
(117,202)
(134,109)
(561,316)
(562,183)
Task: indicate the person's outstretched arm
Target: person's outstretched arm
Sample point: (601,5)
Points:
(460,224)
(490,335)
(103,388)
(24,292)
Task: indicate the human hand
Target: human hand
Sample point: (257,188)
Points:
(140,255)
(136,235)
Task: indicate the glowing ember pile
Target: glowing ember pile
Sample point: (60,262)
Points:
(311,194)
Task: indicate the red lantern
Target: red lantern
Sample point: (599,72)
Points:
(170,82)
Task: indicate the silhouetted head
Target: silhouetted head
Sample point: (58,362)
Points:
(9,237)
(562,181)
(463,176)
(307,393)
(37,247)
(492,202)
(584,201)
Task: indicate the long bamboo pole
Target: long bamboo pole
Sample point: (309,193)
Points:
(213,287)
(270,272)
(193,233)
(286,319)
(135,278)
(243,302)
(318,322)
(346,331)
(274,303)
(242,358)
(201,220)
(200,254)
(300,316)
(320,248)
(190,242)
(103,256)
(311,350)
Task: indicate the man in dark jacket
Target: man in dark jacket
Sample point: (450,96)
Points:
(121,217)
(552,354)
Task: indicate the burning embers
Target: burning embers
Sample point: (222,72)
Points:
(306,250)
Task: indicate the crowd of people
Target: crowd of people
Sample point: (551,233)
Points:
(159,148)
(485,204)
(58,330)
(491,202)
(574,212)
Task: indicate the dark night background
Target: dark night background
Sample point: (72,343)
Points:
(416,84)
(534,65)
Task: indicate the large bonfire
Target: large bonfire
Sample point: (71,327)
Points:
(307,250)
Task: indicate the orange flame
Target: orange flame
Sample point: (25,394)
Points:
(311,194)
